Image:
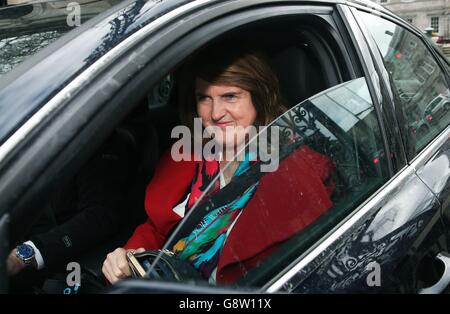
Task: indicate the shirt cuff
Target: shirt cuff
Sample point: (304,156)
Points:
(37,255)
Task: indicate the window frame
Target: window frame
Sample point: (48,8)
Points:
(436,19)
(379,88)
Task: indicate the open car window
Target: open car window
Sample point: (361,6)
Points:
(331,159)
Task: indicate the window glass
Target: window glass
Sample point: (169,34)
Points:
(330,159)
(420,84)
(15,49)
(24,30)
(434,23)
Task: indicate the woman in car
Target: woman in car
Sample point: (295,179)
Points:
(230,92)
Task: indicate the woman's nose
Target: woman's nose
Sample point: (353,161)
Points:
(218,110)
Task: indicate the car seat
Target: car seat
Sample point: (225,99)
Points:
(300,75)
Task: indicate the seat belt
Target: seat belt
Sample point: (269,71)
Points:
(232,190)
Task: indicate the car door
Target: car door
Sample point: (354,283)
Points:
(386,237)
(408,57)
(394,233)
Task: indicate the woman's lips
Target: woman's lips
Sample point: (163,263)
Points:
(223,124)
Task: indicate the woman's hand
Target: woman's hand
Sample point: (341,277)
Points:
(116,267)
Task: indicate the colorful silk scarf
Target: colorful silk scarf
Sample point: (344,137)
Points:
(204,245)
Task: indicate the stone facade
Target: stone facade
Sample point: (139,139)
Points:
(423,13)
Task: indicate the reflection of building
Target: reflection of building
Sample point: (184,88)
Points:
(417,76)
(13,2)
(423,13)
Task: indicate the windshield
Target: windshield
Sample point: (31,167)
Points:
(303,174)
(26,29)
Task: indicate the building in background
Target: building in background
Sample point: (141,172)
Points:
(423,14)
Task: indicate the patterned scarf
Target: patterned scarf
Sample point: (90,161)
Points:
(203,246)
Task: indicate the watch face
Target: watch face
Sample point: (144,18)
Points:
(25,251)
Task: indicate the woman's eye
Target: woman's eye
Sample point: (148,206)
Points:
(230,97)
(201,98)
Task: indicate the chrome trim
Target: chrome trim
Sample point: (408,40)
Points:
(443,282)
(74,86)
(431,149)
(357,214)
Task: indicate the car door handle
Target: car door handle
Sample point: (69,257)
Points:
(444,281)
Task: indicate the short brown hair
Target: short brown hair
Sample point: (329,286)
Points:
(244,68)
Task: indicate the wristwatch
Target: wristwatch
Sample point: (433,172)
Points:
(25,253)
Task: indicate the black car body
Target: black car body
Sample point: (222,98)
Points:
(394,214)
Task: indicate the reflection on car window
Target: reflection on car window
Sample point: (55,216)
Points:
(13,50)
(416,76)
(331,159)
(26,29)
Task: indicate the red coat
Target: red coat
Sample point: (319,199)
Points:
(284,203)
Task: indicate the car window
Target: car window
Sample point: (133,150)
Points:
(420,84)
(26,29)
(331,159)
(16,48)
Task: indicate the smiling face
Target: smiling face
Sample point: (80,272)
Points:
(229,108)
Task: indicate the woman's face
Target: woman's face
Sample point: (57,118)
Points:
(229,108)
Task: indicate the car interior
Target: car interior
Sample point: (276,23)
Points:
(306,59)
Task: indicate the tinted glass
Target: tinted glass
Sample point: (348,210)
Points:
(26,29)
(420,85)
(15,49)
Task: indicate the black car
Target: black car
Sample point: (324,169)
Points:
(356,79)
